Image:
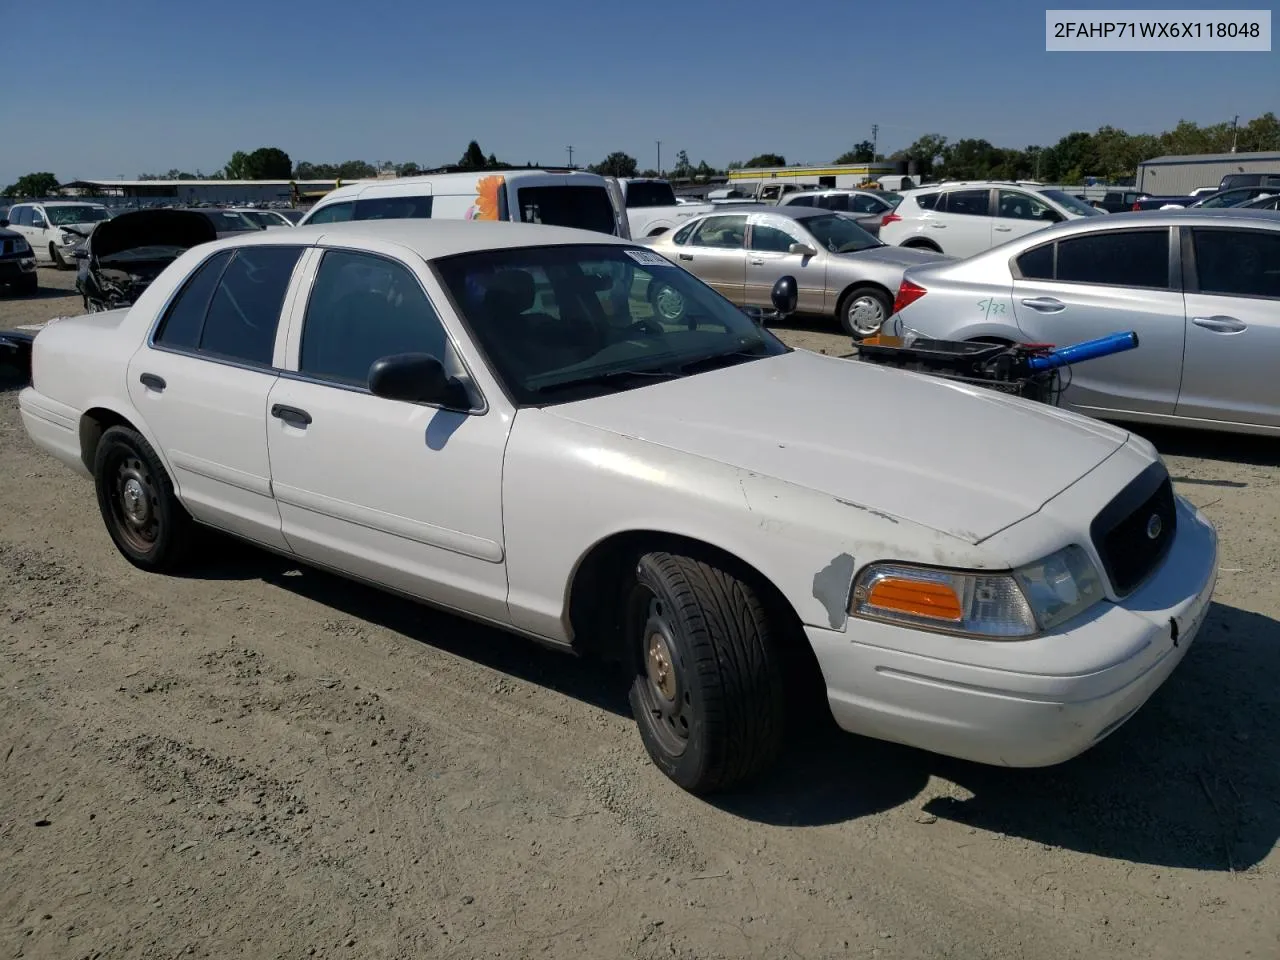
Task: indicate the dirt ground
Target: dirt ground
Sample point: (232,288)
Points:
(259,760)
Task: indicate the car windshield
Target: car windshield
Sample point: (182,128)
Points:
(1073,204)
(1232,198)
(567,322)
(224,220)
(86,213)
(261,219)
(839,233)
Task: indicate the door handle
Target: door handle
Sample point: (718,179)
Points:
(686,256)
(152,382)
(291,415)
(1221,324)
(757,263)
(1004,229)
(1044,304)
(938,226)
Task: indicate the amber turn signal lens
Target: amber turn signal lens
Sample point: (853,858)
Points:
(936,601)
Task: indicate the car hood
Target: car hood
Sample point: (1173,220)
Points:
(961,460)
(891,255)
(150,228)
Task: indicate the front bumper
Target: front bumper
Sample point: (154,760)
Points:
(1024,715)
(15,268)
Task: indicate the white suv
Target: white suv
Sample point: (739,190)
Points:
(964,218)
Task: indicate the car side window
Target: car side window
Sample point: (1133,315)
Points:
(861,203)
(1237,263)
(184,320)
(683,234)
(836,201)
(726,233)
(801,202)
(1122,258)
(928,201)
(334,212)
(245,309)
(21,216)
(393,208)
(364,307)
(1016,205)
(972,203)
(1037,264)
(770,239)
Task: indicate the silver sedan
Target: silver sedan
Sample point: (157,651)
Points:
(1200,287)
(840,269)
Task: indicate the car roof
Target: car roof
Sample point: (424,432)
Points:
(433,239)
(790,211)
(1182,216)
(420,179)
(66,203)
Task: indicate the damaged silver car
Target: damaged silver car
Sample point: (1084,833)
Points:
(121,257)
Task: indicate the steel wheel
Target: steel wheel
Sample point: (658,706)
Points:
(147,523)
(665,694)
(135,504)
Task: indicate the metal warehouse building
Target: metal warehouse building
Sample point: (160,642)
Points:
(196,191)
(1178,176)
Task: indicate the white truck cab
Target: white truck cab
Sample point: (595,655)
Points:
(563,198)
(651,206)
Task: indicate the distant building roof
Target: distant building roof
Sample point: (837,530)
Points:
(199,183)
(1214,157)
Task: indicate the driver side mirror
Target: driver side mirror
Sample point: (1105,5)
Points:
(785,295)
(803,249)
(416,378)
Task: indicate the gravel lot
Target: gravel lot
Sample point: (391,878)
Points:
(259,760)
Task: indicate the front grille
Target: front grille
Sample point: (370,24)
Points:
(1134,531)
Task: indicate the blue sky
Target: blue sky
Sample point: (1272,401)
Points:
(146,85)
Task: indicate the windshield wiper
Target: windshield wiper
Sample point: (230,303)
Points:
(717,360)
(608,378)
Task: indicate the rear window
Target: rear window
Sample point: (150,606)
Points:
(648,194)
(587,208)
(393,208)
(927,201)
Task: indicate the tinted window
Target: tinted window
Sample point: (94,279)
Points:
(393,208)
(1016,205)
(1037,264)
(650,194)
(334,212)
(1242,263)
(1133,258)
(682,235)
(20,216)
(928,201)
(245,311)
(363,308)
(726,233)
(801,202)
(587,208)
(861,203)
(182,324)
(835,201)
(973,203)
(771,239)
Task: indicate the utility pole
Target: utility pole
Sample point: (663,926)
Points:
(570,149)
(875,134)
(1235,132)
(659,143)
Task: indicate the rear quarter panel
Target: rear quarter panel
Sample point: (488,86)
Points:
(963,302)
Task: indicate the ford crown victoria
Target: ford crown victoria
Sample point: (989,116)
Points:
(490,418)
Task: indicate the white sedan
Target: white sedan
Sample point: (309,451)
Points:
(487,417)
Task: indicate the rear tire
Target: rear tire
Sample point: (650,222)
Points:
(708,692)
(135,496)
(667,302)
(863,310)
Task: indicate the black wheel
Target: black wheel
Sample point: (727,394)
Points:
(708,690)
(146,521)
(862,310)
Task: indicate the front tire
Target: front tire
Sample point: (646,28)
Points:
(135,496)
(708,691)
(56,256)
(863,310)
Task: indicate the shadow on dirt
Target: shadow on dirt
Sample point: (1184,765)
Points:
(1193,780)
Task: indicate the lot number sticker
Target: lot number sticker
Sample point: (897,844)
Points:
(648,259)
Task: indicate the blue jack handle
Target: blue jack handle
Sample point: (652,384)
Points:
(1088,350)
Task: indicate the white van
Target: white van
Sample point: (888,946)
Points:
(569,198)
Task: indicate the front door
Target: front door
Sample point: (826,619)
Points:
(401,494)
(1233,326)
(1107,282)
(716,255)
(202,387)
(1019,213)
(770,259)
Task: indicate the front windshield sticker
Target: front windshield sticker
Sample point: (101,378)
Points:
(648,259)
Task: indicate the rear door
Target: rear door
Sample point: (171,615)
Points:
(716,254)
(1102,282)
(1233,325)
(963,227)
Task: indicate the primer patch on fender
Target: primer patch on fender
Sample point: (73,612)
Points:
(831,587)
(648,259)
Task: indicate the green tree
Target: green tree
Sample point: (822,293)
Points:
(704,170)
(33,185)
(472,157)
(926,151)
(616,164)
(1260,133)
(863,152)
(407,169)
(683,167)
(767,160)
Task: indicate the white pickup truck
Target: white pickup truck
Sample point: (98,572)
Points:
(652,208)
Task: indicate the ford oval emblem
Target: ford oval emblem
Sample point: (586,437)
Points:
(1154,526)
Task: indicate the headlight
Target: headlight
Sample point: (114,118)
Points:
(991,606)
(21,246)
(68,239)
